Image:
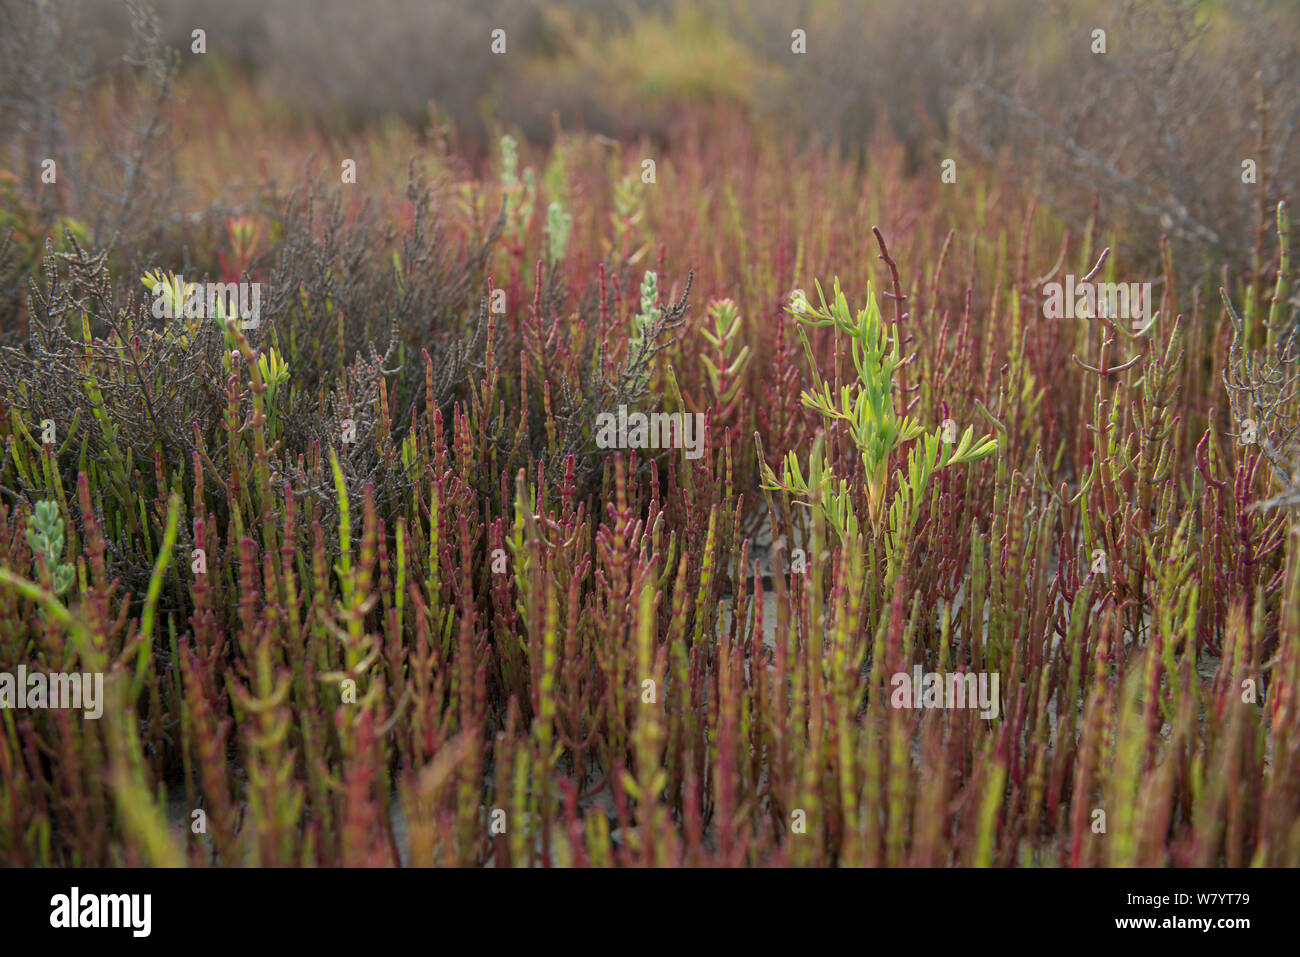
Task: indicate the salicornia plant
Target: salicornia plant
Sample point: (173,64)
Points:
(187,307)
(629,211)
(45,536)
(519,193)
(275,374)
(726,374)
(647,319)
(558,225)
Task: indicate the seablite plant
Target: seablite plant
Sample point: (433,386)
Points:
(875,426)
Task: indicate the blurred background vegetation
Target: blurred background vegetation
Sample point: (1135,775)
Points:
(1151,135)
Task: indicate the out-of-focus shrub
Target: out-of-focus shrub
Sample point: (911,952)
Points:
(634,79)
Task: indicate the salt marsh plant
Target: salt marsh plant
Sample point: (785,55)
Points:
(45,536)
(558,225)
(519,191)
(868,408)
